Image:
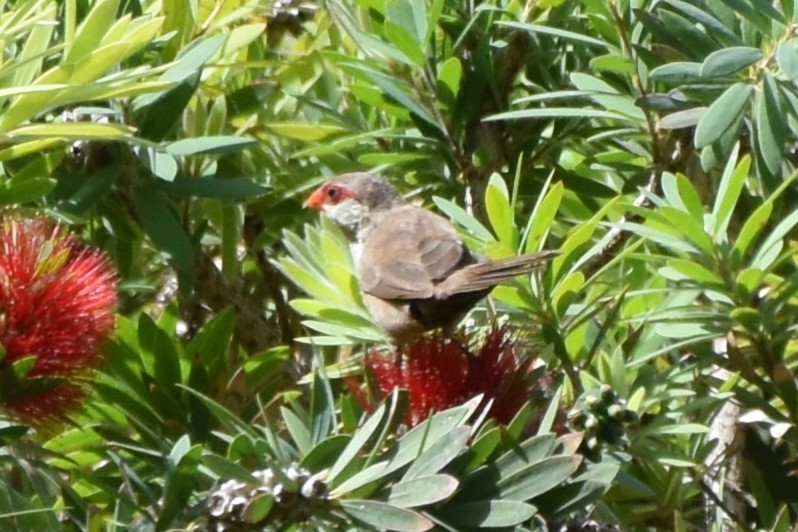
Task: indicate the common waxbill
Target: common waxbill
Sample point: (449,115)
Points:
(415,272)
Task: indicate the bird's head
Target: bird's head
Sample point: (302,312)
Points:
(351,201)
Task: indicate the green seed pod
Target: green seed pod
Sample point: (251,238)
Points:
(593,403)
(617,412)
(607,394)
(577,418)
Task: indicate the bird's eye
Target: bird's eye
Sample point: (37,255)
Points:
(332,193)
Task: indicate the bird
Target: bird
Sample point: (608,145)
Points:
(415,272)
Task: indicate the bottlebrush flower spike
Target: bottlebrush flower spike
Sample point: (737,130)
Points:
(57,302)
(437,375)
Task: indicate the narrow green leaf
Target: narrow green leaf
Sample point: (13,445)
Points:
(500,213)
(322,408)
(74,131)
(538,478)
(787,59)
(529,452)
(159,220)
(542,217)
(422,491)
(391,87)
(676,73)
(722,115)
(22,192)
(752,227)
(696,272)
(355,446)
(211,187)
(729,60)
(774,239)
(300,433)
(305,132)
(461,217)
(770,123)
(488,514)
(324,454)
(439,454)
(93,29)
(731,185)
(557,112)
(209,145)
(682,119)
(385,516)
(556,32)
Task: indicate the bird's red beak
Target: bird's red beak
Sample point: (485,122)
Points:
(316,200)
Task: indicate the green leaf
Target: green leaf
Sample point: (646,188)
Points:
(488,514)
(556,32)
(529,452)
(680,193)
(439,454)
(227,418)
(676,73)
(391,87)
(729,60)
(787,59)
(762,259)
(300,433)
(12,433)
(752,227)
(422,491)
(385,516)
(538,478)
(729,189)
(211,342)
(92,30)
(183,463)
(542,217)
(73,131)
(322,408)
(209,145)
(696,272)
(460,216)
(500,213)
(425,435)
(722,115)
(158,217)
(305,132)
(212,187)
(557,112)
(404,41)
(449,75)
(682,119)
(325,453)
(607,96)
(613,63)
(347,463)
(22,192)
(770,123)
(258,508)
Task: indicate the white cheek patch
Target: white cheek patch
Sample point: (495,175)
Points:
(348,214)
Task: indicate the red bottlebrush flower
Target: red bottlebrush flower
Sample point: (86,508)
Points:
(57,301)
(438,374)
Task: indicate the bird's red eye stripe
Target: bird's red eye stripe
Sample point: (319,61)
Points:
(328,194)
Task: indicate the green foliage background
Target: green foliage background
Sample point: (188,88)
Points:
(652,142)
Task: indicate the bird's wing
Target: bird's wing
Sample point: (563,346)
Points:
(408,253)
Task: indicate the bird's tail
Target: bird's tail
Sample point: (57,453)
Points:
(486,275)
